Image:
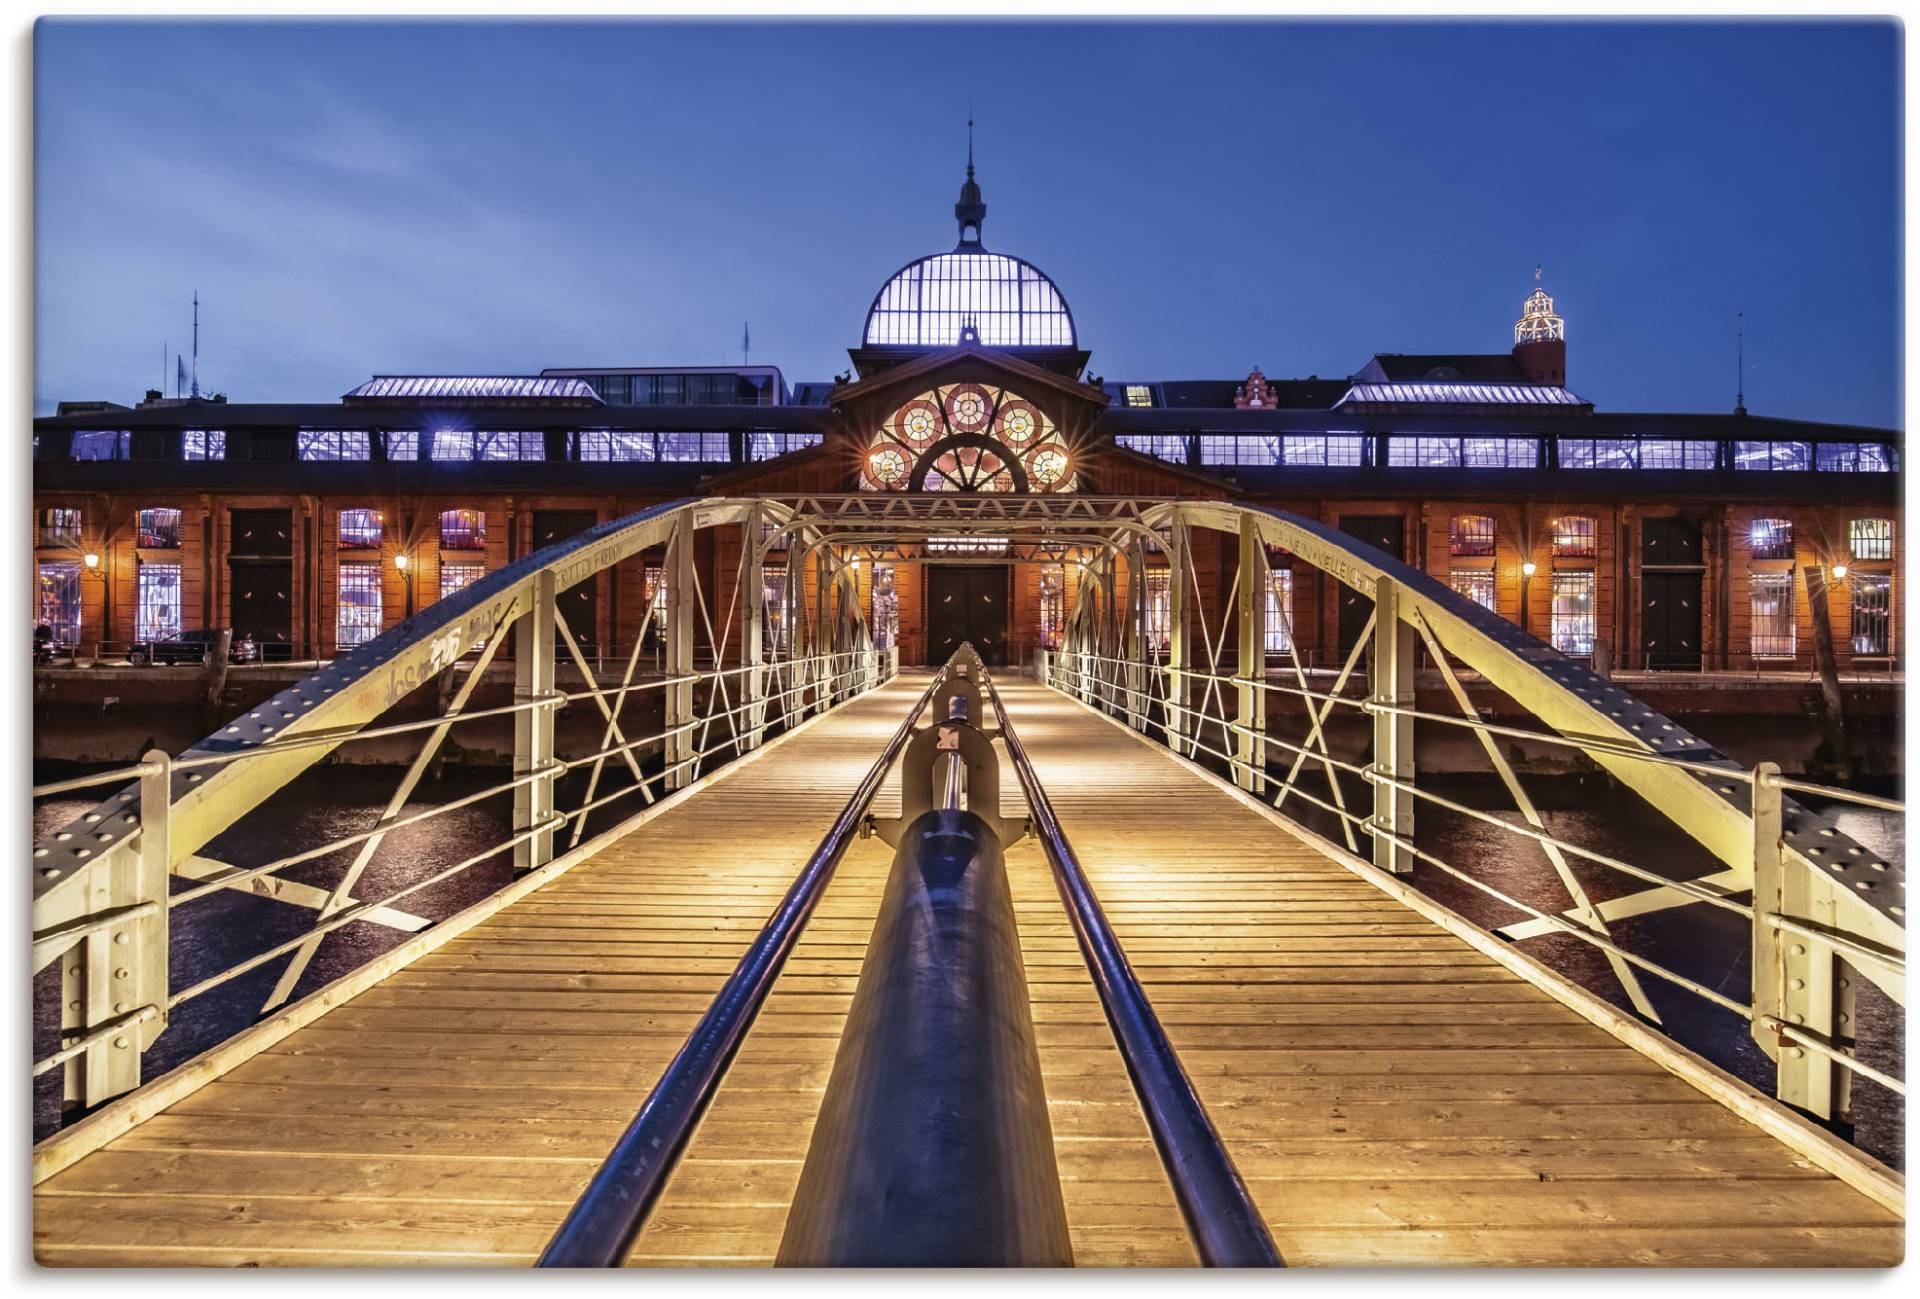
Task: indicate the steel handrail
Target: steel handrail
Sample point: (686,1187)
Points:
(608,1216)
(1223,1220)
(557,698)
(1586,745)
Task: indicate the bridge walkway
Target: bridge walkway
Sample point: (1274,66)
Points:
(1390,1094)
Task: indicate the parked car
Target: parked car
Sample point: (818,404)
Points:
(192,647)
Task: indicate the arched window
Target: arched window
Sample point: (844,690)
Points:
(463,530)
(1470,535)
(967,437)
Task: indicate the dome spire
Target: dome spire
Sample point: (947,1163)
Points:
(971,210)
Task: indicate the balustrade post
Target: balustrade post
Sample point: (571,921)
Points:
(752,723)
(534,663)
(1392,677)
(1179,720)
(1250,667)
(1136,639)
(1109,633)
(678,637)
(1796,979)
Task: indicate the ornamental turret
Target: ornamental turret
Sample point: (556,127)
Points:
(1540,339)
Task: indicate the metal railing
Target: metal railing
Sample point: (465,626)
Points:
(1827,913)
(1220,1214)
(109,884)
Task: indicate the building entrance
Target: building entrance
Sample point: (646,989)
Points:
(968,603)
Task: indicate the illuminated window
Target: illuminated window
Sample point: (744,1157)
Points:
(453,444)
(359,616)
(1872,614)
(1771,538)
(1572,627)
(1463,452)
(1341,449)
(773,595)
(203,444)
(59,526)
(1771,595)
(1053,604)
(970,438)
(696,448)
(361,527)
(1787,456)
(463,530)
(335,444)
(1475,584)
(1138,394)
(157,613)
(1871,538)
(1234,449)
(1575,536)
(159,529)
(93,444)
(655,590)
(1674,453)
(1470,534)
(455,578)
(1280,611)
(1159,610)
(1163,446)
(883,608)
(1006,301)
(509,446)
(616,445)
(57,599)
(403,445)
(765,446)
(1855,457)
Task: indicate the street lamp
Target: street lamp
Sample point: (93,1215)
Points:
(401,562)
(1840,572)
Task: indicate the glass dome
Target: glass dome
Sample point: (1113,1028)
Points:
(1009,302)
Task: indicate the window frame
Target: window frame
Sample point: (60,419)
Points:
(357,621)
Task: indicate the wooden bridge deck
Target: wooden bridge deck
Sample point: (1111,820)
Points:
(1391,1095)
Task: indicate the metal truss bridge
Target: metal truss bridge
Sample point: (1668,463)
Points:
(776,953)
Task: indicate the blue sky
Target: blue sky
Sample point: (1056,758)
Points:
(494,197)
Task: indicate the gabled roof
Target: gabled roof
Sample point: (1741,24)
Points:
(1459,367)
(1458,394)
(922,367)
(472,387)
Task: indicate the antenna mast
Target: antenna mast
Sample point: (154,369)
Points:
(196,345)
(1740,379)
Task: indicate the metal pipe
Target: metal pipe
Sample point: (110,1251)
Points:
(609,1214)
(933,1147)
(1221,1216)
(950,783)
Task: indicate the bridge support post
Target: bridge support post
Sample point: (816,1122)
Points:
(1250,667)
(1797,980)
(533,748)
(1110,633)
(1179,721)
(1136,639)
(1392,679)
(678,637)
(751,725)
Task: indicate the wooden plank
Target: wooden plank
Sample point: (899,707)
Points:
(1424,1104)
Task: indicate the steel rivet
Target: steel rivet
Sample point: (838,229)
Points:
(1797,1018)
(50,873)
(1798,984)
(1795,1052)
(122,972)
(39,852)
(120,940)
(1799,949)
(119,1007)
(120,1042)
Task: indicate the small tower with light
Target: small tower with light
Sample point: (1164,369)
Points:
(1540,338)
